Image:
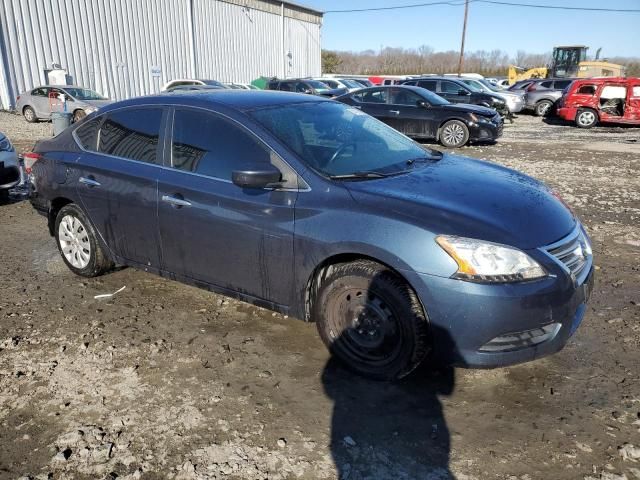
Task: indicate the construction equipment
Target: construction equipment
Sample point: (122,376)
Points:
(568,61)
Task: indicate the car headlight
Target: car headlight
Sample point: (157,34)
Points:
(89,110)
(487,262)
(5,145)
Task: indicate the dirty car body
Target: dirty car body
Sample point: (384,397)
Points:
(9,165)
(421,114)
(158,202)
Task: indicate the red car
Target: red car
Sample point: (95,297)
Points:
(590,101)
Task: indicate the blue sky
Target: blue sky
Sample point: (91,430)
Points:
(489,27)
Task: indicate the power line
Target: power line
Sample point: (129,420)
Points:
(494,2)
(397,7)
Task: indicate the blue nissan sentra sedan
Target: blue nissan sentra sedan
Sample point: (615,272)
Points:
(306,206)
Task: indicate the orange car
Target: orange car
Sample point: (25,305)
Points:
(590,101)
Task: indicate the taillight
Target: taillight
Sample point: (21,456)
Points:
(29,159)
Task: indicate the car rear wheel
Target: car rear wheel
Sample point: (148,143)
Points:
(371,320)
(79,115)
(543,107)
(454,134)
(586,118)
(29,115)
(78,243)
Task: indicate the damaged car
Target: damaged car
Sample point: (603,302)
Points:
(10,175)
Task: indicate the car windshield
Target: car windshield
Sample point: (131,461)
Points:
(489,85)
(84,94)
(213,83)
(473,85)
(433,98)
(337,140)
(317,85)
(351,83)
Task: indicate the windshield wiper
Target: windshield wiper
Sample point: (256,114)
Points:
(432,158)
(359,175)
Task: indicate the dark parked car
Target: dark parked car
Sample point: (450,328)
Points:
(456,91)
(315,209)
(419,113)
(305,85)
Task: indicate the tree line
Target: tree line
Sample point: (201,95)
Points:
(403,61)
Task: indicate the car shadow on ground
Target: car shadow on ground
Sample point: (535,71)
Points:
(387,430)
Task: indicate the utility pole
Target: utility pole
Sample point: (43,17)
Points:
(464,33)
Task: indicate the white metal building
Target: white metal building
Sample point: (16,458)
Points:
(126,48)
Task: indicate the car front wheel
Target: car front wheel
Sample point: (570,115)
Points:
(454,134)
(78,243)
(586,118)
(371,320)
(29,115)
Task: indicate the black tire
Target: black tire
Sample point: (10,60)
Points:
(79,115)
(97,262)
(370,319)
(29,114)
(543,107)
(454,134)
(586,118)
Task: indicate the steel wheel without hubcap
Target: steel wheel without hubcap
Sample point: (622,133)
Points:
(454,134)
(586,118)
(74,241)
(373,336)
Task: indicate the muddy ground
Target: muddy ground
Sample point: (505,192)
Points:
(168,381)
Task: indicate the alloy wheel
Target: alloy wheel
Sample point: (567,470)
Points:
(74,241)
(453,134)
(586,118)
(28,114)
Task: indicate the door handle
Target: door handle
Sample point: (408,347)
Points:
(89,181)
(175,201)
(358,107)
(395,112)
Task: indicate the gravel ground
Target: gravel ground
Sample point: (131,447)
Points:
(168,381)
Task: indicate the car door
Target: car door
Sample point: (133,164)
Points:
(40,102)
(374,101)
(214,231)
(454,92)
(116,180)
(415,116)
(632,112)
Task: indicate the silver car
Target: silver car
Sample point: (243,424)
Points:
(541,95)
(10,174)
(37,104)
(514,101)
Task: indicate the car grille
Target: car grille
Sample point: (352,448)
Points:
(574,252)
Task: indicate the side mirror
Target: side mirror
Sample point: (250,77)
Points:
(259,176)
(462,91)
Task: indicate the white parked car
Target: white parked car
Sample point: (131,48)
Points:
(10,174)
(350,85)
(179,82)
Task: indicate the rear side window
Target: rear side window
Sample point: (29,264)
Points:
(132,133)
(450,87)
(87,134)
(207,144)
(546,84)
(428,84)
(372,96)
(562,84)
(586,90)
(285,87)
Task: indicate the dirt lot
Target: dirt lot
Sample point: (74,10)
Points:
(168,381)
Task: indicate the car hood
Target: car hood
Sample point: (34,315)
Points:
(96,103)
(471,198)
(468,108)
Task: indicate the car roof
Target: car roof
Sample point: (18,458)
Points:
(241,100)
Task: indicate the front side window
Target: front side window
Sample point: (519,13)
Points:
(207,144)
(84,94)
(587,90)
(562,84)
(132,133)
(546,84)
(450,87)
(285,87)
(335,139)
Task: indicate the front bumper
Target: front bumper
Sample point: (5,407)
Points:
(495,325)
(515,106)
(486,131)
